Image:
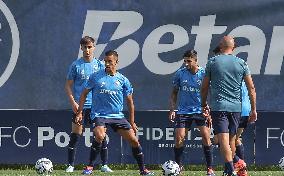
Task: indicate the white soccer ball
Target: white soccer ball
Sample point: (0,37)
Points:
(281,163)
(44,166)
(170,168)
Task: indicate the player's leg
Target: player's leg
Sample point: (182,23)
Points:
(221,126)
(182,125)
(99,135)
(125,130)
(104,156)
(207,146)
(239,144)
(72,146)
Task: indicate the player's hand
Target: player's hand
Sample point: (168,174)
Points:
(172,116)
(206,111)
(75,107)
(79,118)
(209,121)
(252,117)
(134,127)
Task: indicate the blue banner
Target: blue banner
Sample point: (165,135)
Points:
(39,39)
(269,144)
(27,135)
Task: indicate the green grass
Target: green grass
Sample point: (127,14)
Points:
(29,172)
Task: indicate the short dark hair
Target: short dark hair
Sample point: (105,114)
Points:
(87,39)
(111,53)
(217,50)
(190,53)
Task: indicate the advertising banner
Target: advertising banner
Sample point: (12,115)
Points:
(27,135)
(269,144)
(39,40)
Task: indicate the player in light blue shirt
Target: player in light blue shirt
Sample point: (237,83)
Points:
(109,88)
(78,75)
(186,85)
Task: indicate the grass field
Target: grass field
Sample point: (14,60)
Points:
(129,173)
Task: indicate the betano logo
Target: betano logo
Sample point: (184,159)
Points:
(131,21)
(15,43)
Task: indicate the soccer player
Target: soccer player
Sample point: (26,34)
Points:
(246,108)
(187,82)
(77,76)
(109,87)
(224,74)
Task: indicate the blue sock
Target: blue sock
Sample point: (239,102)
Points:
(178,154)
(104,152)
(240,151)
(74,138)
(139,156)
(208,152)
(229,168)
(95,150)
(236,159)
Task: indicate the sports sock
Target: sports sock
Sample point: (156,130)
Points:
(178,154)
(95,150)
(72,146)
(104,152)
(208,152)
(139,156)
(240,151)
(229,168)
(236,159)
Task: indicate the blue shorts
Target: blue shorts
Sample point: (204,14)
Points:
(225,122)
(86,117)
(243,122)
(114,123)
(185,120)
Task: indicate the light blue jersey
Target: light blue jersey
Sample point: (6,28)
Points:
(79,72)
(226,73)
(189,90)
(108,93)
(245,101)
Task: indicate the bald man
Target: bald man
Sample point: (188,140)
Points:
(224,74)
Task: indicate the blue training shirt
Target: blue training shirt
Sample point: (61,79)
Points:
(189,90)
(108,93)
(245,101)
(226,73)
(79,72)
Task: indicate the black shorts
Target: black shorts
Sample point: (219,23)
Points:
(225,122)
(86,117)
(185,120)
(243,122)
(114,123)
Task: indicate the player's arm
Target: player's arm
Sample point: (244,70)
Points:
(204,93)
(130,105)
(173,101)
(82,100)
(68,90)
(252,97)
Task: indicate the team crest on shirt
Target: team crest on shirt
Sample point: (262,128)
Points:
(117,83)
(198,82)
(102,84)
(184,81)
(96,67)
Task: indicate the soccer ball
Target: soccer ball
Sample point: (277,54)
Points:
(44,166)
(281,163)
(170,168)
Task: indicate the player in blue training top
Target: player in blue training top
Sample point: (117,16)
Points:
(78,74)
(224,75)
(109,88)
(187,83)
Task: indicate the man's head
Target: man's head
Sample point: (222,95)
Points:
(190,59)
(87,46)
(227,44)
(111,61)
